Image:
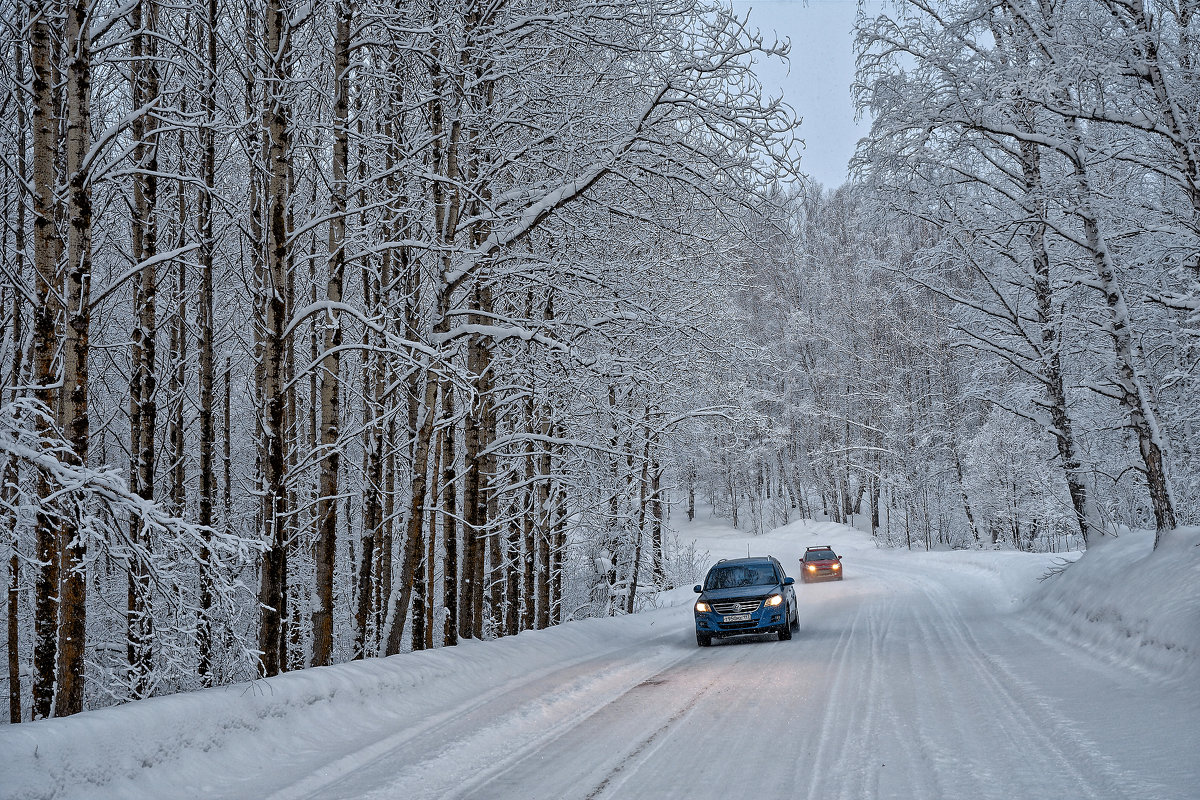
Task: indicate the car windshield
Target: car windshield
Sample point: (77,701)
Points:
(737,575)
(820,555)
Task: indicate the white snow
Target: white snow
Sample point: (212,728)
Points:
(922,675)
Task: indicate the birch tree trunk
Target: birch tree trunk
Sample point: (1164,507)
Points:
(143,412)
(326,549)
(1134,388)
(272,391)
(1051,344)
(204,324)
(9,475)
(73,415)
(415,518)
(47,255)
(450,596)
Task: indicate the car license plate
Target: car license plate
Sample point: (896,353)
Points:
(736,618)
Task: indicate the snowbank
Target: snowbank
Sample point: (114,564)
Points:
(1127,602)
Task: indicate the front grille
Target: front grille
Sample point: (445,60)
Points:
(736,606)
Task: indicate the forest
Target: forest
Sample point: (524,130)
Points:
(334,329)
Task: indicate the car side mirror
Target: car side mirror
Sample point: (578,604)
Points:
(788,581)
(697,589)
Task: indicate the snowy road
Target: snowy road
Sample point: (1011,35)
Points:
(906,680)
(918,677)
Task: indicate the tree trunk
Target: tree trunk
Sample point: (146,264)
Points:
(558,546)
(143,411)
(10,474)
(272,390)
(640,531)
(450,598)
(402,595)
(73,415)
(656,523)
(545,532)
(1063,430)
(423,579)
(47,321)
(1134,387)
(177,431)
(327,504)
(226,450)
(419,598)
(204,322)
(530,511)
(372,499)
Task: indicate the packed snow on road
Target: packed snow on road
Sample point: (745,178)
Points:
(921,675)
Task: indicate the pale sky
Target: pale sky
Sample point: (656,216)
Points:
(818,82)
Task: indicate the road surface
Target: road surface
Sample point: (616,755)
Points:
(911,679)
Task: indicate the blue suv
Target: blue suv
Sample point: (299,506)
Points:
(745,595)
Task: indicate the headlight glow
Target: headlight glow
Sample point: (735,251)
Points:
(702,606)
(812,567)
(774,600)
(837,566)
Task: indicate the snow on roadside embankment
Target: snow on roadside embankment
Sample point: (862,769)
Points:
(1125,601)
(235,740)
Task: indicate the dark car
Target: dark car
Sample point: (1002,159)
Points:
(820,564)
(744,596)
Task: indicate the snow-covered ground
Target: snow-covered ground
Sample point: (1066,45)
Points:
(922,675)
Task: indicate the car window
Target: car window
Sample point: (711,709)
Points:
(733,576)
(819,555)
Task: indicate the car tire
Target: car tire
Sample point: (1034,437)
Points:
(785,633)
(703,639)
(796,622)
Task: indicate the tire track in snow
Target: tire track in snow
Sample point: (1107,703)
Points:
(631,752)
(1013,745)
(844,727)
(572,681)
(863,741)
(642,752)
(1056,740)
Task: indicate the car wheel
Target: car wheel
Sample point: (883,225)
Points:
(796,622)
(703,639)
(785,633)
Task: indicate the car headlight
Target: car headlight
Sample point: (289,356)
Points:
(812,567)
(837,566)
(774,600)
(702,607)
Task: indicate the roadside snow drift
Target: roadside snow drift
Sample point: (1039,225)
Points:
(1125,601)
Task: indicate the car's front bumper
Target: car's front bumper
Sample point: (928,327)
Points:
(767,619)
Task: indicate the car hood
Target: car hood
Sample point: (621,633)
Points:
(741,591)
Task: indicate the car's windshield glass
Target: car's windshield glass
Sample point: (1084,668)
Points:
(740,575)
(820,555)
